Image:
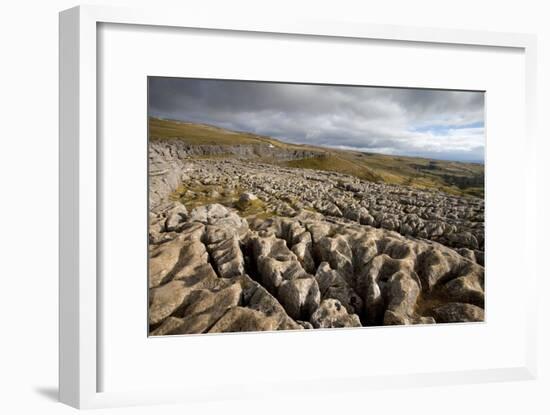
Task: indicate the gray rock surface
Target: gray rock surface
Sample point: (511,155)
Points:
(175,217)
(236,245)
(332,314)
(247,197)
(458,313)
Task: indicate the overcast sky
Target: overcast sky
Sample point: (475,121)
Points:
(445,125)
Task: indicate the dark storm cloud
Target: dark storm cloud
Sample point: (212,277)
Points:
(429,123)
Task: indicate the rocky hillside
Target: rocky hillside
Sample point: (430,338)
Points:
(205,141)
(239,244)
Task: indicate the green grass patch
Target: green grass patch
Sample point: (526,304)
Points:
(203,134)
(195,195)
(255,208)
(335,163)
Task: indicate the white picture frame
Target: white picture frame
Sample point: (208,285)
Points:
(78,349)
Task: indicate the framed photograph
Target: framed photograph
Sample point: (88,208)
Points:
(241,201)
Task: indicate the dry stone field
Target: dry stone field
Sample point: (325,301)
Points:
(240,245)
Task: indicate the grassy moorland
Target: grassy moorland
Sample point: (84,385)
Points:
(449,176)
(203,134)
(333,161)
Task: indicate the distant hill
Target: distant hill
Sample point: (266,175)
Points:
(204,134)
(450,176)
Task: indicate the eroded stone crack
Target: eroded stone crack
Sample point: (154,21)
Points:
(239,246)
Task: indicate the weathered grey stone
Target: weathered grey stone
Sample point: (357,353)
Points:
(258,298)
(333,285)
(175,218)
(162,262)
(302,250)
(337,252)
(274,261)
(332,314)
(243,319)
(458,313)
(215,234)
(227,257)
(300,297)
(216,214)
(466,289)
(191,232)
(433,266)
(373,280)
(372,257)
(463,239)
(166,299)
(247,197)
(206,307)
(167,326)
(305,324)
(318,230)
(467,253)
(208,213)
(193,254)
(402,292)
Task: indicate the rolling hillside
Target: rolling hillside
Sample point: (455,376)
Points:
(449,176)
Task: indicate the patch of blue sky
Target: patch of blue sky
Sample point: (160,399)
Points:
(445,129)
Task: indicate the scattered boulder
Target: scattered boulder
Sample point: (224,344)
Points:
(247,197)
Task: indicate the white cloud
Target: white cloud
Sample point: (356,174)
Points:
(414,122)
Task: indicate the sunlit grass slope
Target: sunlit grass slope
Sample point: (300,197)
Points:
(449,176)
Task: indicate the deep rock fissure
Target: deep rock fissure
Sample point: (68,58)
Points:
(400,278)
